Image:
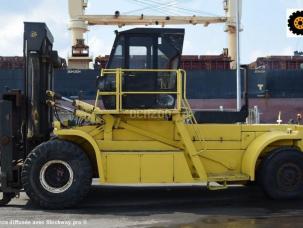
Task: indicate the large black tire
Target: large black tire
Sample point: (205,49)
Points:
(57,174)
(281,174)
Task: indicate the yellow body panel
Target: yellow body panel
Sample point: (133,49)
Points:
(218,132)
(122,168)
(157,168)
(152,167)
(182,172)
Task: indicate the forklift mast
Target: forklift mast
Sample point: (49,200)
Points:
(25,118)
(39,64)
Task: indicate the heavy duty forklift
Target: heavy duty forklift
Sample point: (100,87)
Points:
(140,129)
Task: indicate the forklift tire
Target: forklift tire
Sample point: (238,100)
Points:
(281,174)
(57,174)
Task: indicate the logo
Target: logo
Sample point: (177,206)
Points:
(73,71)
(260,86)
(295,23)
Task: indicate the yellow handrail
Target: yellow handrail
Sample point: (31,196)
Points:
(118,93)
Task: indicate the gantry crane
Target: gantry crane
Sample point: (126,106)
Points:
(79,22)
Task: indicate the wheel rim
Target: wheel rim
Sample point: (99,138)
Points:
(56,176)
(289,177)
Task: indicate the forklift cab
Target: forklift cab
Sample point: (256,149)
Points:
(149,52)
(144,48)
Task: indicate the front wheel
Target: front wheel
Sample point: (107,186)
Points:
(281,174)
(57,174)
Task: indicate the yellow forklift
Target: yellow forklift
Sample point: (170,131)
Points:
(141,129)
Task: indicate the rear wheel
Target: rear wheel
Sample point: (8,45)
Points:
(281,174)
(57,174)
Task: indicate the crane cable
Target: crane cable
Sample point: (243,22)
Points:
(151,7)
(185,9)
(154,3)
(155,6)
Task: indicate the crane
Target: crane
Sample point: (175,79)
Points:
(79,22)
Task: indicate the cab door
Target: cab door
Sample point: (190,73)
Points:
(140,51)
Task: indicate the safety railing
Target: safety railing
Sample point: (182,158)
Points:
(114,91)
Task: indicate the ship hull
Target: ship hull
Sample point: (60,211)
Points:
(271,91)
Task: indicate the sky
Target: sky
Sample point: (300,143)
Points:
(264,24)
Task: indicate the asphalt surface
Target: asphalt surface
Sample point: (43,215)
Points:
(180,206)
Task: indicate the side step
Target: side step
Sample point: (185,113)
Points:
(223,179)
(211,177)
